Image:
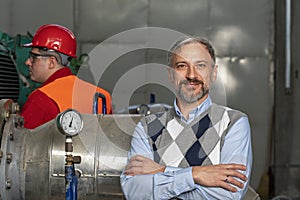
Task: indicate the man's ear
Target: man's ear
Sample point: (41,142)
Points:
(170,74)
(52,62)
(214,73)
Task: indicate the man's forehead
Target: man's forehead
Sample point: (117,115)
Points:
(192,51)
(193,45)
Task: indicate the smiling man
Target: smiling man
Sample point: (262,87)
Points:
(198,150)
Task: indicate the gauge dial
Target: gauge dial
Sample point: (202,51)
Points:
(69,122)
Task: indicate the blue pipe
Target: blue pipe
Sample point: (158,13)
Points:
(95,103)
(71,182)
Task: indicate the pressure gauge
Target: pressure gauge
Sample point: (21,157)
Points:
(69,122)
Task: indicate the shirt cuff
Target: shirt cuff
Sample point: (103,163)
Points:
(172,169)
(183,179)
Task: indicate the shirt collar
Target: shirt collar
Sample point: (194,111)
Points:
(65,71)
(195,112)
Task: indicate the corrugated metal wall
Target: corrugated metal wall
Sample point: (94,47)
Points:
(241,31)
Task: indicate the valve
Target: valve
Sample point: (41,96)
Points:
(71,177)
(70,124)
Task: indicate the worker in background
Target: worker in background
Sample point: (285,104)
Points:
(52,48)
(198,149)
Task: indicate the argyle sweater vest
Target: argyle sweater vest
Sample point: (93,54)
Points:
(198,143)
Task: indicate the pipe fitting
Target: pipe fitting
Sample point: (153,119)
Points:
(8,183)
(8,158)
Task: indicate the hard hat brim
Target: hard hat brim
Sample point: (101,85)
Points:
(28,45)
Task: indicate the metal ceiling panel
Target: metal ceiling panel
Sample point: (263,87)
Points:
(242,28)
(189,17)
(5,22)
(30,14)
(100,19)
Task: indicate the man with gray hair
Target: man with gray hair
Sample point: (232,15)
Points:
(198,149)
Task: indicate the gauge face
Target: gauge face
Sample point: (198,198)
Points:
(70,122)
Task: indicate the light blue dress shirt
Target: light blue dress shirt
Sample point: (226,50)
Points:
(178,182)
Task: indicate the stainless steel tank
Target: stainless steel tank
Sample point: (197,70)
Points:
(32,161)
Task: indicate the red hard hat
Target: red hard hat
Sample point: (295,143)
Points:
(55,37)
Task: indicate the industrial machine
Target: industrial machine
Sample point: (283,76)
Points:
(14,75)
(33,162)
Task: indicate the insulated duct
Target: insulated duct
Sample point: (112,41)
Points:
(32,161)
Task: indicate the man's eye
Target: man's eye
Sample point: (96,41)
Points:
(180,66)
(200,65)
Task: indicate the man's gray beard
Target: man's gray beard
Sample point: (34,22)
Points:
(191,98)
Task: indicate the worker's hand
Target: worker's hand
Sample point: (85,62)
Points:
(224,175)
(142,165)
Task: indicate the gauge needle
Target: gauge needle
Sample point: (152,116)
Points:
(70,125)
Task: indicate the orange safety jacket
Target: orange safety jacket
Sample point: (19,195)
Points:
(72,92)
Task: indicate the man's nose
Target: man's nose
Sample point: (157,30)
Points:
(28,62)
(191,72)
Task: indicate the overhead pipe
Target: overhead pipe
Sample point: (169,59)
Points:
(288,46)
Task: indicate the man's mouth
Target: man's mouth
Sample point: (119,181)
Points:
(192,82)
(191,85)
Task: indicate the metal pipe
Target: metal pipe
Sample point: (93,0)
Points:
(288,46)
(36,169)
(71,182)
